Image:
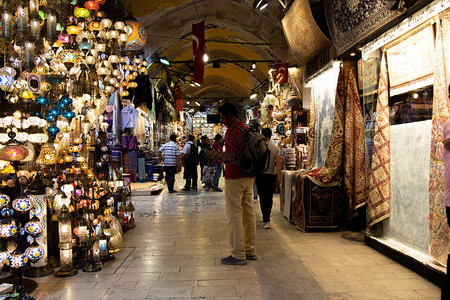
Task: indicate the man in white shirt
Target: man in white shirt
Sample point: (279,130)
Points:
(171,153)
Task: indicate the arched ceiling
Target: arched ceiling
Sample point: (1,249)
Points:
(235,33)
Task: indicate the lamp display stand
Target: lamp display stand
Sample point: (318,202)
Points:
(65,244)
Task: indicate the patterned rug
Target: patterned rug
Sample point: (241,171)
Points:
(330,172)
(379,202)
(350,21)
(439,239)
(354,173)
(311,135)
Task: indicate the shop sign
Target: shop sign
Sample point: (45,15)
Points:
(34,83)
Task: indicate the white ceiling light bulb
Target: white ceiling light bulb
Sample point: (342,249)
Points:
(205,57)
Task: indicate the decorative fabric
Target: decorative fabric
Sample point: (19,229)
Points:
(311,135)
(350,21)
(354,173)
(324,105)
(303,35)
(439,231)
(330,172)
(379,177)
(129,117)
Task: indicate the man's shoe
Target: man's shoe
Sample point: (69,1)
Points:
(217,190)
(230,260)
(186,188)
(265,225)
(251,257)
(173,191)
(194,188)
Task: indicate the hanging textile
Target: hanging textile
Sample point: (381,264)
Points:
(116,120)
(379,178)
(129,117)
(439,240)
(354,173)
(330,172)
(312,124)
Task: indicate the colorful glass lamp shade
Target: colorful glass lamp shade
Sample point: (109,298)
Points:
(4,200)
(34,252)
(23,204)
(68,57)
(33,227)
(16,261)
(6,81)
(8,230)
(82,13)
(137,36)
(14,153)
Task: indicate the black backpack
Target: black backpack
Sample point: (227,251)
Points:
(255,157)
(192,158)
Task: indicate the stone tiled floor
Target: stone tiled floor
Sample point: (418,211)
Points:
(175,250)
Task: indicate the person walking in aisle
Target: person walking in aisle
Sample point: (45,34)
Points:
(171,155)
(190,156)
(267,181)
(238,191)
(218,163)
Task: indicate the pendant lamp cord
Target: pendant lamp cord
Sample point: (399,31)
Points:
(196,11)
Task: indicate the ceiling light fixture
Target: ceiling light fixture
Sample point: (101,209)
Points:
(164,61)
(205,57)
(253,96)
(197,84)
(253,66)
(260,4)
(196,103)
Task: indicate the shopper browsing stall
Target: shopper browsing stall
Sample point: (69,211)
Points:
(171,153)
(190,157)
(238,191)
(267,181)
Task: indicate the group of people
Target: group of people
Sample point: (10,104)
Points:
(193,155)
(238,185)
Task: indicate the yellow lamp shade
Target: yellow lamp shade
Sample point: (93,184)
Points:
(82,13)
(73,29)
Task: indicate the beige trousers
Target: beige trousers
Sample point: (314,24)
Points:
(241,217)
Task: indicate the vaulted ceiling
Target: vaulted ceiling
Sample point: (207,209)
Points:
(235,33)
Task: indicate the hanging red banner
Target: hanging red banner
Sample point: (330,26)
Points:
(178,95)
(198,47)
(282,73)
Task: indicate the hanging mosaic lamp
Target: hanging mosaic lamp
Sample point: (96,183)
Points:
(23,204)
(34,252)
(73,30)
(137,36)
(14,153)
(33,227)
(68,57)
(69,115)
(6,81)
(81,13)
(42,100)
(47,156)
(53,130)
(8,230)
(17,261)
(4,200)
(91,5)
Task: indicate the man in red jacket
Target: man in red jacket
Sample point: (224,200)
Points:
(238,191)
